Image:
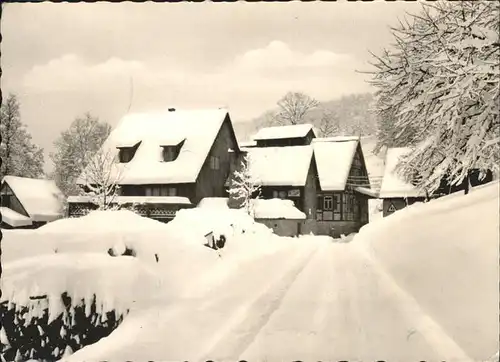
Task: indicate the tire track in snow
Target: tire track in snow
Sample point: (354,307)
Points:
(410,309)
(248,320)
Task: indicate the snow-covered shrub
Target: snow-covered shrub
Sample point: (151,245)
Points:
(24,336)
(244,185)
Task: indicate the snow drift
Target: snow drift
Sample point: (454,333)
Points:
(445,254)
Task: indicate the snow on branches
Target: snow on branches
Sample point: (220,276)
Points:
(102,178)
(244,185)
(438,91)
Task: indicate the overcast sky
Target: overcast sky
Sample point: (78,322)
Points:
(65,59)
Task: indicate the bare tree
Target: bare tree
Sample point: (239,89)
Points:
(101,178)
(328,124)
(293,108)
(245,185)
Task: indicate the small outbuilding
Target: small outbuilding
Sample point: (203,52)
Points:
(279,215)
(395,192)
(29,203)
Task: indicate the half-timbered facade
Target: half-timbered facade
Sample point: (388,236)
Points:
(326,178)
(168,160)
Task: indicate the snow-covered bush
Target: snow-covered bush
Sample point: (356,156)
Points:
(56,304)
(244,185)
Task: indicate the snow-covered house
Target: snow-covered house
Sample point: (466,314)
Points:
(397,193)
(279,215)
(29,203)
(168,160)
(343,185)
(278,136)
(326,178)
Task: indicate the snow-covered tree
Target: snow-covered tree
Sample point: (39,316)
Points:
(101,177)
(293,108)
(20,157)
(438,89)
(245,185)
(74,148)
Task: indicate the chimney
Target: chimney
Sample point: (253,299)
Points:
(171,109)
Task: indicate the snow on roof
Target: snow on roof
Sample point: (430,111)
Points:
(280,166)
(248,144)
(13,218)
(336,139)
(276,209)
(279,132)
(198,128)
(366,191)
(41,199)
(394,185)
(333,159)
(137,199)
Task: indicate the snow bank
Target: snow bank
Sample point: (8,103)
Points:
(198,222)
(214,202)
(276,209)
(118,284)
(104,221)
(445,254)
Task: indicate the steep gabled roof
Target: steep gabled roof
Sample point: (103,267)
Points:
(334,158)
(281,166)
(394,185)
(197,128)
(280,132)
(41,199)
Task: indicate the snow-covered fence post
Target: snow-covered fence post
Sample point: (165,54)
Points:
(244,185)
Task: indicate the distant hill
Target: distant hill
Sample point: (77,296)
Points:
(351,113)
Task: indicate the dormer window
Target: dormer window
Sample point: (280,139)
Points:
(126,154)
(171,152)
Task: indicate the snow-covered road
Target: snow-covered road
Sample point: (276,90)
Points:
(314,300)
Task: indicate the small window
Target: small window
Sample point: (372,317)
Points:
(275,194)
(126,154)
(336,202)
(319,202)
(169,153)
(282,195)
(327,203)
(214,162)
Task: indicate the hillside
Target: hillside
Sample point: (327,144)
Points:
(351,112)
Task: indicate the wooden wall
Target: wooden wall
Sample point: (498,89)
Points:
(210,183)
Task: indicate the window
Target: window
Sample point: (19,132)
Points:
(328,203)
(214,162)
(169,153)
(126,154)
(279,194)
(161,191)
